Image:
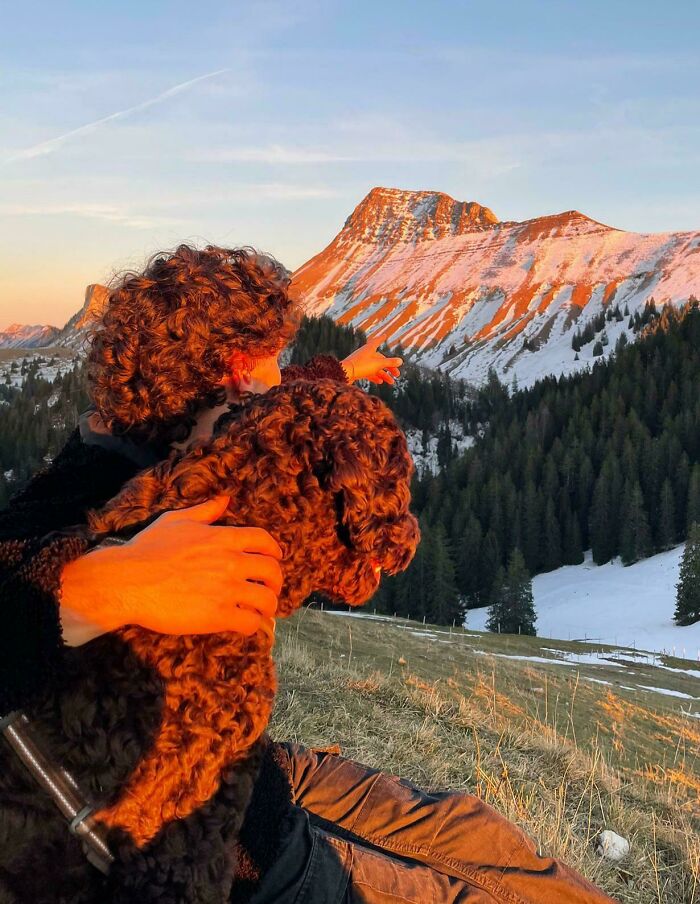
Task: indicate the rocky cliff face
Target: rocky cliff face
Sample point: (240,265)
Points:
(389,215)
(74,333)
(464,291)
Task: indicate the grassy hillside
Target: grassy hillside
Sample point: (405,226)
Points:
(546,743)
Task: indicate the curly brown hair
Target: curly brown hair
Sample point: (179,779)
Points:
(326,468)
(161,348)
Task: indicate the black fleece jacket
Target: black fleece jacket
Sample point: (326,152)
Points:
(44,528)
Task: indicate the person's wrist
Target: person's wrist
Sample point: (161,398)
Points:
(87,585)
(349,369)
(75,628)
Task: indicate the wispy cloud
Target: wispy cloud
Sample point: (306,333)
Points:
(53,144)
(111,213)
(274,153)
(188,204)
(399,152)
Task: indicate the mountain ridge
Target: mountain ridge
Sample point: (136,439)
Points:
(463,291)
(506,294)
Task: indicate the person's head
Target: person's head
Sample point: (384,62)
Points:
(172,333)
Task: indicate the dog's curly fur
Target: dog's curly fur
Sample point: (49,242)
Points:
(325,468)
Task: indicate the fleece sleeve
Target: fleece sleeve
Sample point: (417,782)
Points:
(38,537)
(30,649)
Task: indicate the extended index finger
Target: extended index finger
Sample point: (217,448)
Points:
(255,539)
(375,340)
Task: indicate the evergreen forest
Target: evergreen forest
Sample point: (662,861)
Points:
(607,459)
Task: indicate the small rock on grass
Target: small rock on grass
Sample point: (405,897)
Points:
(612,846)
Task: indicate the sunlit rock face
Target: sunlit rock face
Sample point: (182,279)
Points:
(74,333)
(464,291)
(389,215)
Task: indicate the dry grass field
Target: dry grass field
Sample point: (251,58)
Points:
(563,750)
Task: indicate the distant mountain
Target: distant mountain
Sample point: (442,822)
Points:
(464,291)
(72,335)
(20,335)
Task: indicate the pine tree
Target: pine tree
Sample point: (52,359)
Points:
(531,531)
(496,606)
(443,605)
(600,525)
(597,349)
(635,541)
(468,562)
(666,534)
(572,549)
(496,611)
(513,610)
(444,445)
(489,564)
(688,587)
(551,540)
(693,516)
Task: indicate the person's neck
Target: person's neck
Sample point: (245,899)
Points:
(207,417)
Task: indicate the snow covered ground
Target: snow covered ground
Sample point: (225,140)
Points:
(63,362)
(612,604)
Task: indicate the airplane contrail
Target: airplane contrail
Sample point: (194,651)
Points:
(48,147)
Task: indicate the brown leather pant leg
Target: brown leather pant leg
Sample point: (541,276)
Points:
(452,832)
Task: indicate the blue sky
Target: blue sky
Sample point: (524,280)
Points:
(127,127)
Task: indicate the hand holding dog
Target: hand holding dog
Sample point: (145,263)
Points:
(180,575)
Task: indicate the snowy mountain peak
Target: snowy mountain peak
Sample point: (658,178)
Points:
(20,335)
(388,215)
(463,292)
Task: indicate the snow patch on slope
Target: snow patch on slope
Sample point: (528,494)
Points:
(628,606)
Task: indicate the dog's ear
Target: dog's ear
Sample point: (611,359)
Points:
(368,467)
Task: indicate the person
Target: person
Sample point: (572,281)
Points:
(179,342)
(197,306)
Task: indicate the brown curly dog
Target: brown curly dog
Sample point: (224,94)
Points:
(326,469)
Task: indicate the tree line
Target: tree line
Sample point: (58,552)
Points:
(607,459)
(36,419)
